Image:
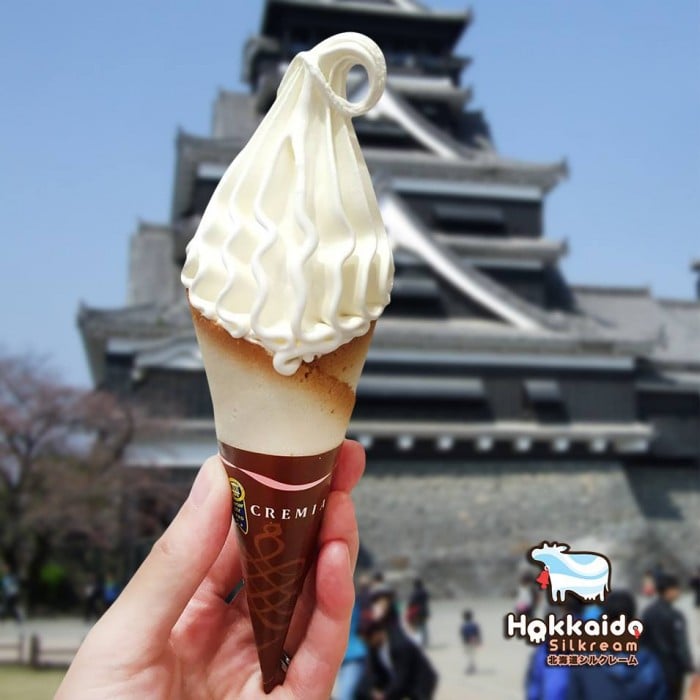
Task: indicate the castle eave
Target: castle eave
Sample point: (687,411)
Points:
(478,247)
(191,151)
(193,441)
(518,437)
(484,167)
(398,9)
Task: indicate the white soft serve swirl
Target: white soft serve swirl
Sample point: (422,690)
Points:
(291,252)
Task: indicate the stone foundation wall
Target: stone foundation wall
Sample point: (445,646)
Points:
(465,527)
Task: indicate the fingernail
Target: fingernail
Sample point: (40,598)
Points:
(201,487)
(346,549)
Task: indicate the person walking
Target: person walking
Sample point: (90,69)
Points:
(542,680)
(643,681)
(110,590)
(665,635)
(648,586)
(11,595)
(94,598)
(363,594)
(470,632)
(525,596)
(695,588)
(397,667)
(418,612)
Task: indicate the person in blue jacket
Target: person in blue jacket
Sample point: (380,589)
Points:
(645,681)
(353,667)
(545,682)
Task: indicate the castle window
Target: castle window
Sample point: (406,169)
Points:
(544,401)
(469,218)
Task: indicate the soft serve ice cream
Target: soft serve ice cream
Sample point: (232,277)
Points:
(286,275)
(291,252)
(292,258)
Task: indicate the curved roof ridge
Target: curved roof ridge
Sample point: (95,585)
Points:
(396,108)
(406,231)
(418,125)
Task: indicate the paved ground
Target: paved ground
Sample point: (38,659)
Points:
(501,663)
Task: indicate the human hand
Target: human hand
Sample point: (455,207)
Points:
(172,635)
(694,687)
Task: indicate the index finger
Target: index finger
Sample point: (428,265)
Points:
(350,467)
(315,665)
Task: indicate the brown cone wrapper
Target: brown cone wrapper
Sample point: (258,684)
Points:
(278,505)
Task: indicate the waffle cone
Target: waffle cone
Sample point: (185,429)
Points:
(279,438)
(260,410)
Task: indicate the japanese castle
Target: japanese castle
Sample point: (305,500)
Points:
(485,347)
(486,352)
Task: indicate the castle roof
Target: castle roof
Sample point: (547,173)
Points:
(396,9)
(437,155)
(481,314)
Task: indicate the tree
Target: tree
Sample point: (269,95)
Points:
(62,477)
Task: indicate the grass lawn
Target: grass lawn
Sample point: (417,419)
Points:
(23,683)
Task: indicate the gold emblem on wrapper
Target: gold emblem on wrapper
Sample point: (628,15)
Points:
(239,510)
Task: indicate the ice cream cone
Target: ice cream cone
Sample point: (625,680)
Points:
(279,438)
(286,275)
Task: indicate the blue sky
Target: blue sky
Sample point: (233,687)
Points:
(93,93)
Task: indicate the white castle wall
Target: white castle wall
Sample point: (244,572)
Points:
(465,527)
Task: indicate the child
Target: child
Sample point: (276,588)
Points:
(471,638)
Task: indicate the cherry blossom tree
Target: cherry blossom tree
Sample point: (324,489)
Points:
(62,473)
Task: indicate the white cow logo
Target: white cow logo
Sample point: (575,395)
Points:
(583,574)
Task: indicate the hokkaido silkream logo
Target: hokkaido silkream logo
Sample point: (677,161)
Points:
(591,639)
(583,574)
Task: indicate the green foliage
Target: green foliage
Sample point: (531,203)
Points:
(52,575)
(22,683)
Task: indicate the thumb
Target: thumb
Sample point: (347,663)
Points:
(157,594)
